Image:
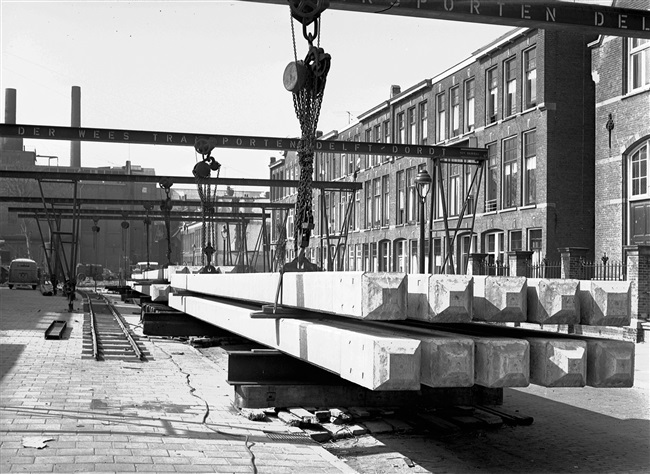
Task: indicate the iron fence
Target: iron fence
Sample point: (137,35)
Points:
(605,270)
(544,269)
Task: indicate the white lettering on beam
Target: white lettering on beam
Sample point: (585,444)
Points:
(525,11)
(473,6)
(51,132)
(550,15)
(449,5)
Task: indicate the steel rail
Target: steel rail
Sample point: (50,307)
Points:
(93,327)
(125,330)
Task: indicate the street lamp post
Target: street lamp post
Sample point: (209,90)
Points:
(224,234)
(423,184)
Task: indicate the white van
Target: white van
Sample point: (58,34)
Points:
(23,271)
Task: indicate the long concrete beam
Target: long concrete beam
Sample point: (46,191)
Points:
(440,298)
(446,361)
(500,299)
(605,303)
(552,301)
(372,361)
(360,295)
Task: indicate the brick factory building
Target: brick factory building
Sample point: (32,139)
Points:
(621,73)
(528,98)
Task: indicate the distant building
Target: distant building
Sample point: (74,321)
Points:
(528,98)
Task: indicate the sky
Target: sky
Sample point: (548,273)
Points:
(205,67)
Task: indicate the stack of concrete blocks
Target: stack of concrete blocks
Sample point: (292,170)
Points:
(441,359)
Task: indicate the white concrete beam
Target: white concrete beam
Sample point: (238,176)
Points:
(552,301)
(500,299)
(558,362)
(374,361)
(610,363)
(440,298)
(605,303)
(372,296)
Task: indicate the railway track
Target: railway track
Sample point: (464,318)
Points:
(106,335)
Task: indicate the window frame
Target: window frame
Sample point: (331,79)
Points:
(441,122)
(492,95)
(529,93)
(509,87)
(529,167)
(470,104)
(509,164)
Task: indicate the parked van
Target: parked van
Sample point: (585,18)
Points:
(23,271)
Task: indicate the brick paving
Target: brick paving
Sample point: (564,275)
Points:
(171,413)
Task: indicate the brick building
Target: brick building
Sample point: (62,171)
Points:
(528,98)
(621,74)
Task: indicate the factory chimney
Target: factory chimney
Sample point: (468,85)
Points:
(75,147)
(11,144)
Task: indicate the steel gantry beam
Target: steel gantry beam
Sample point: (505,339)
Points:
(49,132)
(143,178)
(587,17)
(143,213)
(144,202)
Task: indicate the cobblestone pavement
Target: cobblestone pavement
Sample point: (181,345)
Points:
(173,414)
(170,414)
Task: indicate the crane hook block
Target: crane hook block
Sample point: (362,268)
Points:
(306,11)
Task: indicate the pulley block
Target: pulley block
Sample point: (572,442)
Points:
(203,146)
(166,205)
(201,170)
(295,76)
(95,228)
(125,225)
(306,11)
(318,61)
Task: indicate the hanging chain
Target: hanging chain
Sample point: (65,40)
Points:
(208,196)
(166,207)
(306,80)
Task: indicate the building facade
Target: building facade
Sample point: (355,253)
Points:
(621,74)
(528,98)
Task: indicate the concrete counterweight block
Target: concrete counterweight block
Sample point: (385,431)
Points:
(610,363)
(553,301)
(440,298)
(558,362)
(605,303)
(500,299)
(501,362)
(159,293)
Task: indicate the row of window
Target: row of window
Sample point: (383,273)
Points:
(402,255)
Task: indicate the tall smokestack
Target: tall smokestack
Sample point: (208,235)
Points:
(13,144)
(75,147)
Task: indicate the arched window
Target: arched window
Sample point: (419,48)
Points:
(639,194)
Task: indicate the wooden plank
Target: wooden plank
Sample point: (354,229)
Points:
(360,295)
(605,303)
(371,361)
(440,298)
(500,299)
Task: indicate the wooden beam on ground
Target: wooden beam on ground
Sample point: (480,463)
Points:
(374,362)
(605,303)
(500,299)
(440,298)
(360,295)
(552,301)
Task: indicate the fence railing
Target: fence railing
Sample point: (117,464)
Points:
(497,268)
(605,270)
(544,269)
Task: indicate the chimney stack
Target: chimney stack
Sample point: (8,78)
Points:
(75,147)
(395,90)
(11,144)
